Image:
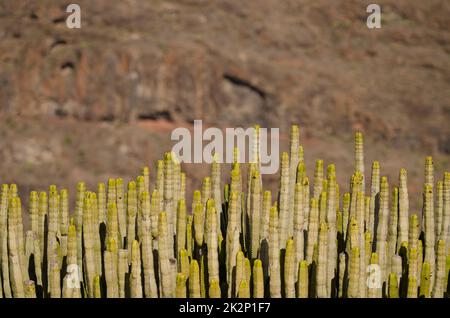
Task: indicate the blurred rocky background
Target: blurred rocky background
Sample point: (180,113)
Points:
(100,101)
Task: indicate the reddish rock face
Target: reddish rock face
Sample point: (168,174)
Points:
(137,69)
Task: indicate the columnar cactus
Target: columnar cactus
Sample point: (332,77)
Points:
(445,230)
(293,165)
(359,156)
(322,264)
(274,255)
(353,273)
(284,216)
(258,279)
(374,190)
(194,280)
(232,241)
(255,214)
(313,230)
(299,244)
(429,223)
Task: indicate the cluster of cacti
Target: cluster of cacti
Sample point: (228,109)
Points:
(235,240)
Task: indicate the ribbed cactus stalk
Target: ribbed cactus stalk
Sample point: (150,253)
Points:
(15,270)
(236,186)
(199,224)
(332,228)
(258,279)
(79,202)
(121,212)
(150,288)
(322,264)
(274,255)
(176,181)
(203,286)
(367,248)
(111,268)
(345,213)
(342,268)
(159,186)
(299,244)
(88,244)
(318,179)
(244,290)
(438,286)
(439,209)
(216,188)
(63,218)
(284,216)
(374,190)
(393,286)
(33,210)
(419,259)
(429,171)
(425,281)
(4,240)
(30,289)
(206,193)
(55,285)
(265,214)
(214,289)
(146,175)
(183,185)
(72,271)
(155,209)
(181,226)
(306,200)
(447,270)
(247,270)
(255,214)
(211,237)
(355,189)
(122,270)
(428,211)
(445,230)
(412,287)
(194,280)
(353,273)
(163,251)
(382,230)
(289,270)
(313,230)
(353,235)
(301,172)
(393,223)
(112,227)
(189,237)
(412,265)
(131,216)
(239,272)
(183,263)
(397,266)
(413,232)
(302,283)
(323,207)
(135,276)
(232,238)
(169,204)
(374,287)
(293,165)
(101,199)
(359,157)
(180,291)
